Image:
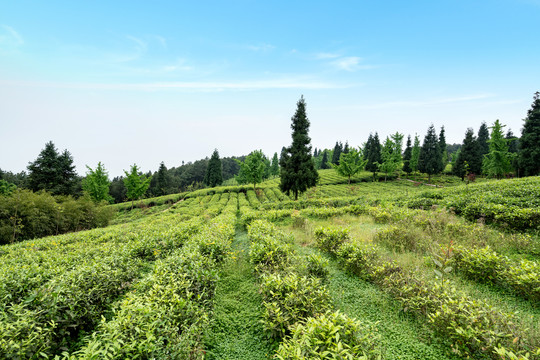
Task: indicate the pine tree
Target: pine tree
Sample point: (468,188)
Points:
(315,153)
(346,147)
(429,161)
(498,162)
(324,161)
(298,171)
(162,182)
(468,160)
(407,156)
(214,174)
(274,167)
(374,156)
(442,148)
(529,154)
(367,147)
(52,172)
(513,142)
(415,154)
(338,149)
(483,145)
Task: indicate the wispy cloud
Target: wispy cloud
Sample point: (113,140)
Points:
(425,103)
(351,63)
(161,40)
(199,86)
(10,36)
(261,47)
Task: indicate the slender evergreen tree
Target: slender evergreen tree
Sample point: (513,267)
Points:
(298,171)
(324,161)
(274,167)
(374,156)
(468,160)
(338,149)
(162,180)
(483,145)
(415,154)
(214,171)
(367,147)
(407,154)
(346,148)
(529,154)
(442,148)
(429,161)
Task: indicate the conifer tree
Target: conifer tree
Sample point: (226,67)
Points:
(214,172)
(367,147)
(374,156)
(52,172)
(407,154)
(529,154)
(483,145)
(513,142)
(338,149)
(415,154)
(429,161)
(468,159)
(346,148)
(498,161)
(274,167)
(442,148)
(162,181)
(324,161)
(298,171)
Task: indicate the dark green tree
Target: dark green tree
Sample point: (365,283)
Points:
(324,161)
(274,167)
(6,188)
(442,148)
(315,153)
(415,155)
(429,161)
(374,154)
(214,175)
(529,154)
(52,172)
(162,180)
(468,160)
(298,171)
(97,183)
(483,145)
(338,149)
(513,142)
(407,156)
(346,147)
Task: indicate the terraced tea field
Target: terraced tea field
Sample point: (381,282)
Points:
(392,270)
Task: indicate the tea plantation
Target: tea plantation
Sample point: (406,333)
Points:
(367,270)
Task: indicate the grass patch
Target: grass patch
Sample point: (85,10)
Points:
(236,331)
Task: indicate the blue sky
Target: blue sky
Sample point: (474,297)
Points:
(126,82)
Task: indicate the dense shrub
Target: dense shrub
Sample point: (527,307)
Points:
(26,215)
(331,238)
(331,336)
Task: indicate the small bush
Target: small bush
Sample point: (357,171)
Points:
(331,238)
(317,266)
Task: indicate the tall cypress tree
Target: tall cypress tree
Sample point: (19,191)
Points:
(214,175)
(367,147)
(338,149)
(442,148)
(483,144)
(324,161)
(468,159)
(274,167)
(374,156)
(429,161)
(298,171)
(407,154)
(162,182)
(415,154)
(529,155)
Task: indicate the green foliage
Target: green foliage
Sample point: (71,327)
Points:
(498,162)
(469,159)
(391,154)
(214,175)
(253,169)
(407,154)
(317,266)
(429,161)
(6,188)
(350,163)
(336,154)
(331,335)
(331,238)
(136,184)
(25,215)
(96,184)
(297,167)
(415,155)
(274,166)
(529,155)
(372,153)
(289,299)
(53,172)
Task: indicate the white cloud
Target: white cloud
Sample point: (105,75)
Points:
(349,63)
(10,36)
(261,47)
